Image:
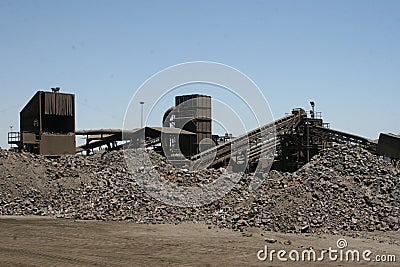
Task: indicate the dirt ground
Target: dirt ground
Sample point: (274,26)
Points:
(43,241)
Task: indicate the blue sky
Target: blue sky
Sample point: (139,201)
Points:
(344,55)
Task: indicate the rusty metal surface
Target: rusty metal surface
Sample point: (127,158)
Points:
(29,138)
(57,144)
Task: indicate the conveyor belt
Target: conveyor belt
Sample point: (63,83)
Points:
(263,141)
(254,144)
(331,135)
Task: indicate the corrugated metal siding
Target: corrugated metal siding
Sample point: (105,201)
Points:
(193,113)
(59,104)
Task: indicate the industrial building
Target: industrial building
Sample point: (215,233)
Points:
(47,127)
(191,113)
(389,146)
(47,124)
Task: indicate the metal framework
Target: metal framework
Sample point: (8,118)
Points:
(254,144)
(291,141)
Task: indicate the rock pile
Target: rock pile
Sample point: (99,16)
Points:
(342,189)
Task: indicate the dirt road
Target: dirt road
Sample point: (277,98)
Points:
(40,241)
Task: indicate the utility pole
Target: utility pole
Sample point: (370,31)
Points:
(141,114)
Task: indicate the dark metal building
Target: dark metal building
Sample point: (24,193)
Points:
(47,124)
(191,113)
(389,145)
